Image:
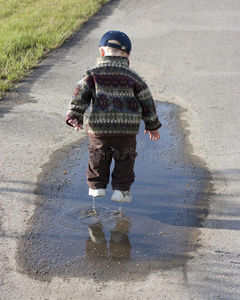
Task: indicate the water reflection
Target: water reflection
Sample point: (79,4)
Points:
(119,243)
(96,244)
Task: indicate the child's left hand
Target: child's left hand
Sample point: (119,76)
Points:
(154,134)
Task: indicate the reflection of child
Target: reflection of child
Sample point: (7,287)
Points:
(119,244)
(119,99)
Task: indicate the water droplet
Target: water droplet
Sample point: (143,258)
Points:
(94,209)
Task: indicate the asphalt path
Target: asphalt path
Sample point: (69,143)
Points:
(188,53)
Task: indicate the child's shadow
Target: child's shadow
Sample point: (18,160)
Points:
(119,244)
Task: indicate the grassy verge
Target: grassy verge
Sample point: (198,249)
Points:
(31,28)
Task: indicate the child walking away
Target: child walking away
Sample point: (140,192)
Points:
(119,99)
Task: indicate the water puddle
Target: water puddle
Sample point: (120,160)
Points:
(69,235)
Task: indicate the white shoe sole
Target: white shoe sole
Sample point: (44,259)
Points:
(97,193)
(118,196)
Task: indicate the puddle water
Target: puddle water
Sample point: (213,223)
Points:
(69,235)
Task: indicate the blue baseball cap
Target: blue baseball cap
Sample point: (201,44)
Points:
(119,36)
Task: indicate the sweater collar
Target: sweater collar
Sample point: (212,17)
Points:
(123,61)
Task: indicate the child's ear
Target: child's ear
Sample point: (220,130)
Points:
(102,51)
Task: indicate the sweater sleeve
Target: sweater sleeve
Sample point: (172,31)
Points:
(81,99)
(149,113)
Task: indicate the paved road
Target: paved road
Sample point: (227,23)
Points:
(188,52)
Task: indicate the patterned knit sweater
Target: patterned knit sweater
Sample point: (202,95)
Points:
(119,99)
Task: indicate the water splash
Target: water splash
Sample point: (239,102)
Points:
(75,217)
(93,205)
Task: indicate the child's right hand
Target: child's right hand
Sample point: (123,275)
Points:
(154,134)
(74,123)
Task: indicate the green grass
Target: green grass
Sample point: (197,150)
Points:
(31,28)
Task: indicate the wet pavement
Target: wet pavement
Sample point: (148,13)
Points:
(159,229)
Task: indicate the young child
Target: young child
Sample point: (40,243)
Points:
(119,99)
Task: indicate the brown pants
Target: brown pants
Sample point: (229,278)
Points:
(101,152)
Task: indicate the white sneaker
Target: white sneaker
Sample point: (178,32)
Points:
(121,196)
(97,192)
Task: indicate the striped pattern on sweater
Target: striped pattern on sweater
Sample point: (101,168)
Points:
(118,98)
